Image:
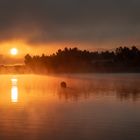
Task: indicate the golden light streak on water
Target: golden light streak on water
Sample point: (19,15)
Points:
(14,90)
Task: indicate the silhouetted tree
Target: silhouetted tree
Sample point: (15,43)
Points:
(28,59)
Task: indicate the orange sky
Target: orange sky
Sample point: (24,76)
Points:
(23,48)
(37,49)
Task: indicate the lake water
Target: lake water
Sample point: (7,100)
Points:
(93,107)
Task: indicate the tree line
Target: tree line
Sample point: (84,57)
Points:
(122,59)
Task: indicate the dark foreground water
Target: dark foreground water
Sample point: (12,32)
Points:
(93,107)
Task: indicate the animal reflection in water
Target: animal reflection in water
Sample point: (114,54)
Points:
(14,90)
(63,84)
(123,91)
(70,93)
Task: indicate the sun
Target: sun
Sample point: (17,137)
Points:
(14,51)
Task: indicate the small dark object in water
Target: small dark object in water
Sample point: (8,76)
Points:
(63,84)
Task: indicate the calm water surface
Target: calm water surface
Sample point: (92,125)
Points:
(93,107)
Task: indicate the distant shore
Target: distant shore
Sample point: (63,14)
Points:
(73,60)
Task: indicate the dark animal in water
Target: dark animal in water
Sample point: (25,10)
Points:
(63,84)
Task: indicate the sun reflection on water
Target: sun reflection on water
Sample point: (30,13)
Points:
(14,90)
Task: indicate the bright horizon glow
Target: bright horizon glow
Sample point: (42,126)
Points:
(14,51)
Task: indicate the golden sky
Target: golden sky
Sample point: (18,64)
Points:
(44,26)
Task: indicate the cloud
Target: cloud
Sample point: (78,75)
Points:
(86,21)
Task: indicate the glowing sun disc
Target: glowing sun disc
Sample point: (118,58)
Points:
(14,51)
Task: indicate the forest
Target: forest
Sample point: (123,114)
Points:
(74,60)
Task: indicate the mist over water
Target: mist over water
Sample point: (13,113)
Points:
(93,106)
